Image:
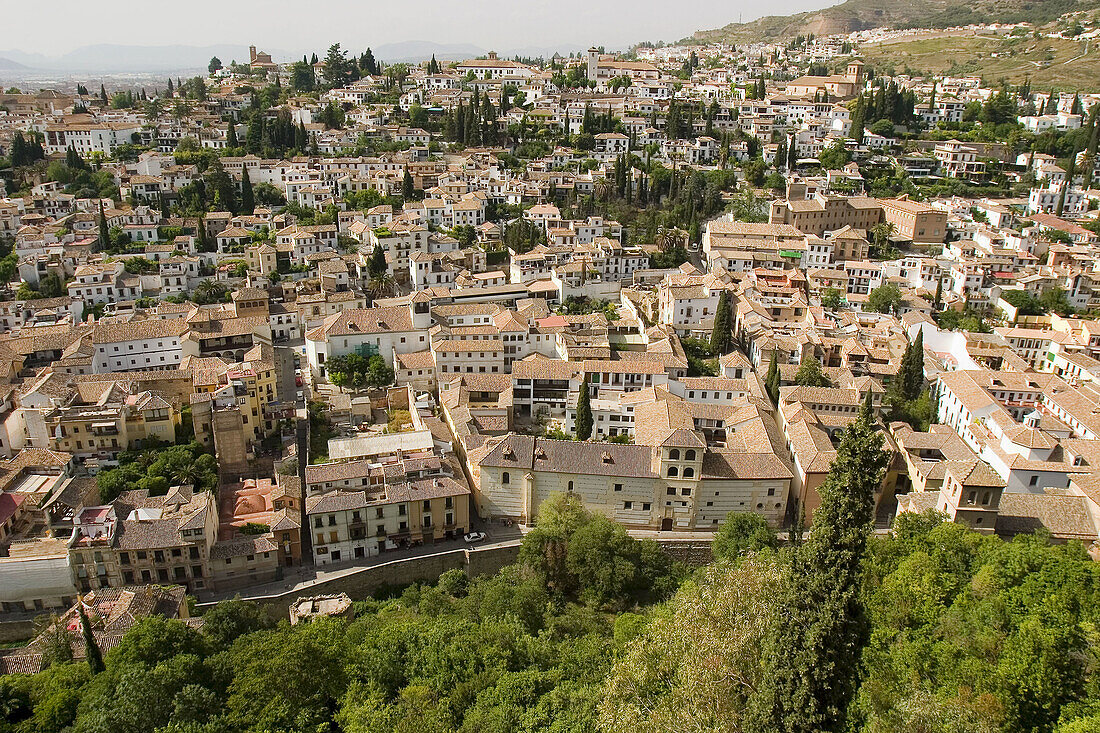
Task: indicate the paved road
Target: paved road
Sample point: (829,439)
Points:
(303,578)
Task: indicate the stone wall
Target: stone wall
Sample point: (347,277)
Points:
(689,552)
(363,582)
(17,630)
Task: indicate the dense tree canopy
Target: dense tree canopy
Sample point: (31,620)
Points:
(967,633)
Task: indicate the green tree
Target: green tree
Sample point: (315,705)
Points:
(694,666)
(248,199)
(91,647)
(721,334)
(832,298)
(772,380)
(214,65)
(301,76)
(911,374)
(742,532)
(885,298)
(228,620)
(377,265)
(583,422)
(1054,299)
(336,66)
(407,189)
(834,157)
(812,655)
(103,237)
(809,372)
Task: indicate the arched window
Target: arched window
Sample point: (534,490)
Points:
(689,472)
(689,456)
(672,471)
(674,454)
(985,498)
(504,478)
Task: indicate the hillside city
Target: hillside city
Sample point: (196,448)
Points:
(607,391)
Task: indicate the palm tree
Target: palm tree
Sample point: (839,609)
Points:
(670,238)
(381,284)
(603,190)
(881,234)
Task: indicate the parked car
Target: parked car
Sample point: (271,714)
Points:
(473,537)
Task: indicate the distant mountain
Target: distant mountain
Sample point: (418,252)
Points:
(855,15)
(8,64)
(118,58)
(414,51)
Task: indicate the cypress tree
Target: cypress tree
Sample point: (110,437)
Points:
(911,373)
(1069,182)
(103,94)
(771,382)
(91,648)
(377,264)
(721,334)
(584,412)
(460,124)
(812,657)
(103,242)
(231,136)
(407,190)
(248,199)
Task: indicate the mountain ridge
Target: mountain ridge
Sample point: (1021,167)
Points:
(857,15)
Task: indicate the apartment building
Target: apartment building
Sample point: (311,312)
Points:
(350,525)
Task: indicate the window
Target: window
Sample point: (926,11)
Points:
(685,492)
(689,456)
(670,491)
(505,478)
(674,454)
(645,506)
(628,505)
(1034,481)
(689,472)
(618,487)
(570,489)
(771,492)
(672,471)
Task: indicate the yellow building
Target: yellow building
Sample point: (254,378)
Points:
(113,424)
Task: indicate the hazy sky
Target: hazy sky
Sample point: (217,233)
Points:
(297,25)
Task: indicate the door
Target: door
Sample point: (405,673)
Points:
(666,524)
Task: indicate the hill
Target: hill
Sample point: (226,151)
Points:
(8,64)
(855,15)
(114,58)
(1048,62)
